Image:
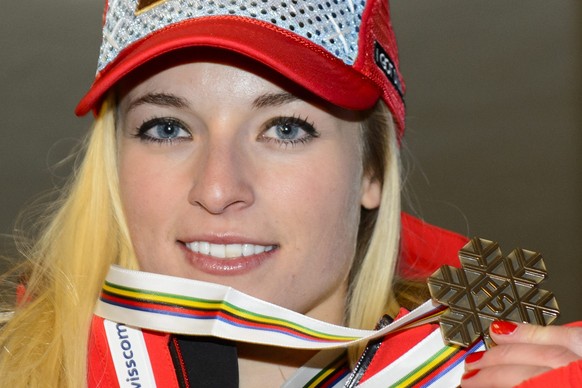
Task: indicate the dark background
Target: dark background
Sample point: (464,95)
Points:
(494,116)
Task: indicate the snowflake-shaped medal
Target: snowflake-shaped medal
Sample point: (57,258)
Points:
(489,287)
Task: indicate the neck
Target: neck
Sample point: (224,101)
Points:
(266,366)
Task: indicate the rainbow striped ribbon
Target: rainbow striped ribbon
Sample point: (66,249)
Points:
(327,369)
(184,306)
(428,363)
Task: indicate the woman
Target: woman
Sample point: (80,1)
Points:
(252,145)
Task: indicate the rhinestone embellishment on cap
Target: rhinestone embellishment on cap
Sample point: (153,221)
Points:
(333,24)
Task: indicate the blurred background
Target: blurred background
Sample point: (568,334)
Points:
(494,102)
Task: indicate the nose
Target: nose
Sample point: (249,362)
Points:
(221,178)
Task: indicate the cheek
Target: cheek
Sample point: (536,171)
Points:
(146,192)
(336,187)
(339,195)
(322,201)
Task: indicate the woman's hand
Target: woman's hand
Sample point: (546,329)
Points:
(522,351)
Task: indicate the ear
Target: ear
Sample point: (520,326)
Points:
(371,192)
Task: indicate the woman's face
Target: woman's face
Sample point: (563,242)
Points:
(226,177)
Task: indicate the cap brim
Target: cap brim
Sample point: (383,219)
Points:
(294,57)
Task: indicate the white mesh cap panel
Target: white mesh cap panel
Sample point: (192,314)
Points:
(333,24)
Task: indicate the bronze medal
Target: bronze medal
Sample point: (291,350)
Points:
(488,287)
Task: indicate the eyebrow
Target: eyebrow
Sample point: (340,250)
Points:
(160,99)
(171,100)
(273,99)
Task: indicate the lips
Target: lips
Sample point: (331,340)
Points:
(227,251)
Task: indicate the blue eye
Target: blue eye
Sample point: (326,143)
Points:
(288,131)
(163,130)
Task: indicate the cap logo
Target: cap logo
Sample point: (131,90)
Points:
(145,5)
(385,64)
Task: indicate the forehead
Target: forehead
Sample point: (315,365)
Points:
(208,67)
(224,73)
(207,78)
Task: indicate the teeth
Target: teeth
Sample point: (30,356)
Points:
(247,249)
(204,248)
(231,250)
(225,251)
(218,250)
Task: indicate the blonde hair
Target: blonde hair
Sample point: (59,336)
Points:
(44,342)
(371,294)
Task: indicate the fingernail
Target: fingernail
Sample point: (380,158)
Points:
(503,327)
(475,356)
(470,374)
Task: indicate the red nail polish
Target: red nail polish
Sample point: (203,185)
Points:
(503,327)
(476,356)
(470,374)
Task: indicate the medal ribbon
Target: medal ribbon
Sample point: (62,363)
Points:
(190,307)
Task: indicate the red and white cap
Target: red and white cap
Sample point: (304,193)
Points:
(343,51)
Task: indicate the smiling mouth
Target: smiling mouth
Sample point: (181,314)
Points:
(228,251)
